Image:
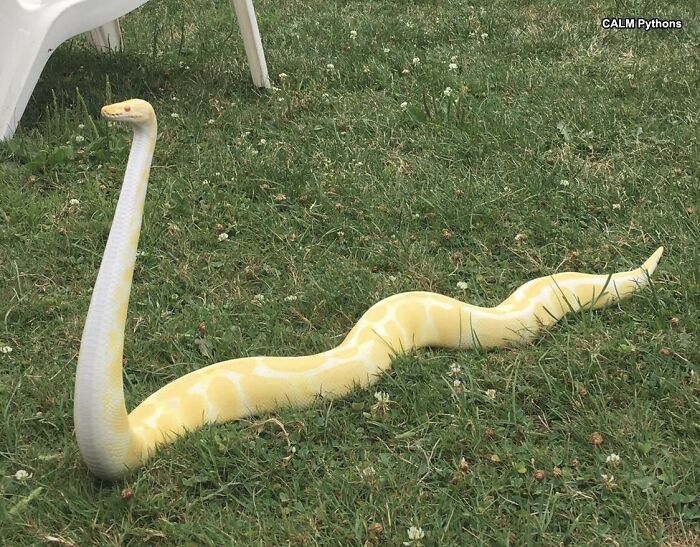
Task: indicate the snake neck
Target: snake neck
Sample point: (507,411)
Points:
(100,415)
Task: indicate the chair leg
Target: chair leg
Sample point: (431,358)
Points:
(22,73)
(245,13)
(106,38)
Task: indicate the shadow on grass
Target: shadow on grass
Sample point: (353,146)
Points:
(74,73)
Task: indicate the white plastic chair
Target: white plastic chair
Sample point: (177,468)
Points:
(30,30)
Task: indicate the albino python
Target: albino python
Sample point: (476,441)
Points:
(113,442)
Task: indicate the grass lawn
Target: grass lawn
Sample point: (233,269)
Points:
(521,119)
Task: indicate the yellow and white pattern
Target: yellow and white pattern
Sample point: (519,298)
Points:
(112,441)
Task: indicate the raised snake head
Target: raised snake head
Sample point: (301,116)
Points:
(134,111)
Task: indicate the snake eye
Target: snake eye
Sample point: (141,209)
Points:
(127,109)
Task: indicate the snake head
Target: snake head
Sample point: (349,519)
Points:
(135,111)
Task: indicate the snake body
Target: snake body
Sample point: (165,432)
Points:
(112,442)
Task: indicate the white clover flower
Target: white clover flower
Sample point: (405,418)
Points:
(484,35)
(386,50)
(447,92)
(457,383)
(381,396)
(330,66)
(608,481)
(462,285)
(405,71)
(490,393)
(79,138)
(211,121)
(392,278)
(22,475)
(282,76)
(455,370)
(616,206)
(174,115)
(74,201)
(452,66)
(613,459)
(353,34)
(415,534)
(259,298)
(404,105)
(223,236)
(263,142)
(564,182)
(382,404)
(368,473)
(416,60)
(81,126)
(6,349)
(291,298)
